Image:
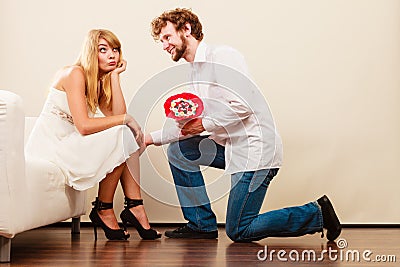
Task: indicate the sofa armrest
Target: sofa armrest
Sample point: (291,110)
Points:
(42,191)
(12,161)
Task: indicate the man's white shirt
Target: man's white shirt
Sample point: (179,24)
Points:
(236,114)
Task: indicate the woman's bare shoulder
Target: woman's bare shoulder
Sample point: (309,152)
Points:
(72,72)
(67,75)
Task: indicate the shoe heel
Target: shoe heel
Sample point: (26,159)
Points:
(124,221)
(95,232)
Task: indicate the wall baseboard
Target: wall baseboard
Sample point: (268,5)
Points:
(371,225)
(345,225)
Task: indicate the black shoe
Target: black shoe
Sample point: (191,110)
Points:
(330,219)
(186,232)
(111,234)
(128,218)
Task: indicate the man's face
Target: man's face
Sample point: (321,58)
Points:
(173,41)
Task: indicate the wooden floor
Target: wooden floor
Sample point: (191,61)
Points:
(54,246)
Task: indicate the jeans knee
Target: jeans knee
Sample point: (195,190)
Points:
(173,150)
(232,232)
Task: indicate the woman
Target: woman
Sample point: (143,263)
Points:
(95,149)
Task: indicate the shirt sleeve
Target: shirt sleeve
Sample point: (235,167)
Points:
(168,135)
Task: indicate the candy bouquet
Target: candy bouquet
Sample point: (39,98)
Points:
(183,107)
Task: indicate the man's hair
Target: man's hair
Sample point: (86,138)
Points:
(179,17)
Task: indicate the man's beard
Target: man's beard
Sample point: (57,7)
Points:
(179,52)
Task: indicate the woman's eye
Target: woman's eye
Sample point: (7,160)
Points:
(115,50)
(102,50)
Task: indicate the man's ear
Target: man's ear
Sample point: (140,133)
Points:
(187,29)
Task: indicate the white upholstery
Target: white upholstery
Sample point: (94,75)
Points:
(32,191)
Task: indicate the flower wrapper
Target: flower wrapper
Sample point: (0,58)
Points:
(183,107)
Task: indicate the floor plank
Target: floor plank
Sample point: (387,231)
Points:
(54,246)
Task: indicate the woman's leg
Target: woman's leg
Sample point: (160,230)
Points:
(130,181)
(106,193)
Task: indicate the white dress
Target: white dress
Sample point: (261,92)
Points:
(84,159)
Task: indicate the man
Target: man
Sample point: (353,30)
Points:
(243,141)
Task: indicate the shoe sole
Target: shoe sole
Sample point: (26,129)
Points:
(334,236)
(333,217)
(191,236)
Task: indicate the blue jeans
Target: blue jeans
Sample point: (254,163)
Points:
(247,193)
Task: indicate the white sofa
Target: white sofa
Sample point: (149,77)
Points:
(33,192)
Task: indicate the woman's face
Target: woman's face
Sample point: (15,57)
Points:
(108,57)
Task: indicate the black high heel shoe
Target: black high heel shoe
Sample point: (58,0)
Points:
(111,234)
(128,218)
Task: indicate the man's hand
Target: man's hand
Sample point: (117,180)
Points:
(148,140)
(193,127)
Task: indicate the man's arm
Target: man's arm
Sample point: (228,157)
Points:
(226,98)
(165,136)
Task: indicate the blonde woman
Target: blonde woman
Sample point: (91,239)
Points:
(95,149)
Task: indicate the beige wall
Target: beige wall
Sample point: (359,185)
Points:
(329,69)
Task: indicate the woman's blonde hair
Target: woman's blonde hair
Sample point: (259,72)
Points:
(88,60)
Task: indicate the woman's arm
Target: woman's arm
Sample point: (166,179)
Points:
(74,85)
(118,105)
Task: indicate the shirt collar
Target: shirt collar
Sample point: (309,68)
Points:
(200,55)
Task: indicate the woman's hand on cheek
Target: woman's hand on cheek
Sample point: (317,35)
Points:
(121,67)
